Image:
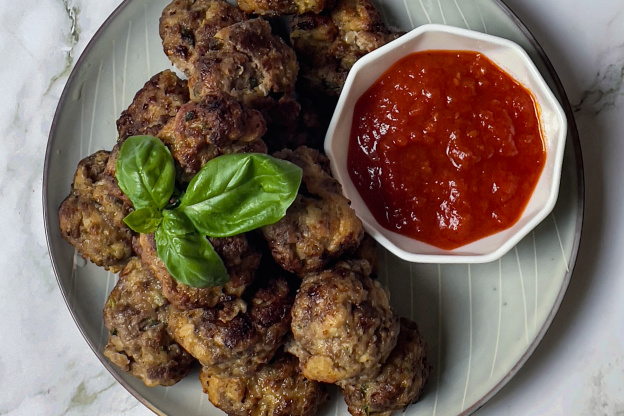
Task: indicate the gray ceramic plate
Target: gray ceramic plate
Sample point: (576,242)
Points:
(481,322)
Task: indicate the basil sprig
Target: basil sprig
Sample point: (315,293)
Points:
(231,194)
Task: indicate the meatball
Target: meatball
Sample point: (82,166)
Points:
(241,259)
(91,217)
(237,336)
(311,37)
(187,28)
(361,29)
(153,106)
(320,226)
(280,7)
(138,341)
(216,125)
(276,389)
(399,382)
(329,44)
(257,68)
(342,323)
(247,62)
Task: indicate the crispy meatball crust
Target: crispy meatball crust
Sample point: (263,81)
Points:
(399,382)
(342,323)
(237,336)
(277,389)
(153,106)
(320,226)
(187,28)
(247,62)
(138,341)
(91,217)
(241,260)
(214,126)
(280,7)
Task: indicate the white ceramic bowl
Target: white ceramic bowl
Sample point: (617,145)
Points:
(512,59)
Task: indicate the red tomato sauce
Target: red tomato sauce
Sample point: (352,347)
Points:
(446,148)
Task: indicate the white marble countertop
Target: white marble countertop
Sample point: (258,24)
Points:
(46,368)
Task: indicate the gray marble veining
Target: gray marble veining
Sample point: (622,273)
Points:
(46,367)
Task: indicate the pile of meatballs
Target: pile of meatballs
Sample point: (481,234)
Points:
(302,309)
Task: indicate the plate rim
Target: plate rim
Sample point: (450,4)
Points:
(579,169)
(570,267)
(46,215)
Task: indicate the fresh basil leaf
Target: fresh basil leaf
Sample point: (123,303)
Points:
(146,172)
(143,220)
(189,257)
(237,193)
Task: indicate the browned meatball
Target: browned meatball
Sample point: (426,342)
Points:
(328,45)
(216,125)
(399,382)
(312,36)
(277,389)
(153,106)
(247,62)
(91,217)
(187,27)
(238,335)
(241,259)
(342,323)
(320,226)
(138,342)
(361,29)
(280,7)
(257,68)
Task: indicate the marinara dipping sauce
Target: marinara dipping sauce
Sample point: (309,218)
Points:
(446,148)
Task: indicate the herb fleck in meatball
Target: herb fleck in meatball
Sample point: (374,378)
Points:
(342,323)
(91,217)
(216,125)
(277,389)
(153,106)
(187,28)
(320,226)
(399,382)
(280,7)
(237,336)
(247,62)
(241,260)
(138,342)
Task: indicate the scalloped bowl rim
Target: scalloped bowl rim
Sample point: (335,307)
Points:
(507,55)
